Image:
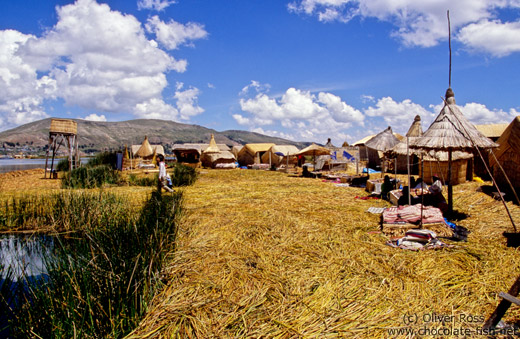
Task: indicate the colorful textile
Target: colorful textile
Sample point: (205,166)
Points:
(412,214)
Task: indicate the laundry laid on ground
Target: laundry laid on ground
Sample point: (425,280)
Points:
(418,239)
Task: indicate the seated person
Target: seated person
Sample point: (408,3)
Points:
(386,187)
(435,197)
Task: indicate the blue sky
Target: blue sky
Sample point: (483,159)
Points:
(304,70)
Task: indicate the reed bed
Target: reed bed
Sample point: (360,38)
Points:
(263,255)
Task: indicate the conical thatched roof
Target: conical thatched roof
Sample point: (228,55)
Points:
(415,129)
(451,130)
(145,150)
(329,144)
(314,150)
(212,148)
(383,141)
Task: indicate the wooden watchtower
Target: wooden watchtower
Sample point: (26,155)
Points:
(62,130)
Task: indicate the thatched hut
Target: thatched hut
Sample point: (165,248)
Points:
(450,132)
(508,155)
(146,150)
(493,132)
(401,153)
(214,157)
(277,155)
(382,142)
(235,149)
(187,154)
(370,156)
(252,153)
(437,164)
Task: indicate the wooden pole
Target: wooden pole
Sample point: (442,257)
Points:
(502,307)
(450,186)
(408,169)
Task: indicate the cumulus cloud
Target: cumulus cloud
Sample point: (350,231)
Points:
(398,113)
(173,34)
(497,38)
(157,5)
(307,115)
(186,106)
(95,117)
(94,58)
(23,93)
(420,23)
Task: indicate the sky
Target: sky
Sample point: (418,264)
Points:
(304,70)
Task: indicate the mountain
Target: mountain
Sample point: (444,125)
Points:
(97,136)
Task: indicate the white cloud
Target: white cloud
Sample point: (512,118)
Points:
(497,38)
(173,34)
(22,92)
(308,116)
(185,106)
(95,117)
(424,23)
(157,5)
(94,58)
(398,114)
(241,120)
(187,103)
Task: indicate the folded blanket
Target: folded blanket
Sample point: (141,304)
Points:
(412,214)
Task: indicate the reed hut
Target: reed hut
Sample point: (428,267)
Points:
(450,132)
(508,156)
(187,154)
(314,151)
(437,164)
(493,132)
(146,150)
(252,153)
(370,156)
(214,157)
(236,149)
(383,142)
(280,154)
(401,153)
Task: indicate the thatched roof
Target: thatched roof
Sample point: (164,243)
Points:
(235,149)
(203,147)
(314,150)
(363,141)
(451,130)
(255,148)
(212,148)
(145,150)
(187,148)
(224,156)
(415,129)
(285,149)
(492,130)
(345,144)
(510,140)
(383,141)
(329,144)
(159,149)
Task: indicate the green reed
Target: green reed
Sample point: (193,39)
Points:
(101,280)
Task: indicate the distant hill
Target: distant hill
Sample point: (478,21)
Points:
(98,136)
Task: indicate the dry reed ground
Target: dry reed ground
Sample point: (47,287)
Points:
(261,254)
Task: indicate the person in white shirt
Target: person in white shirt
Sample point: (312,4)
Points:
(163,176)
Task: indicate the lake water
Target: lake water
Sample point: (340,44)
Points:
(9,165)
(24,255)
